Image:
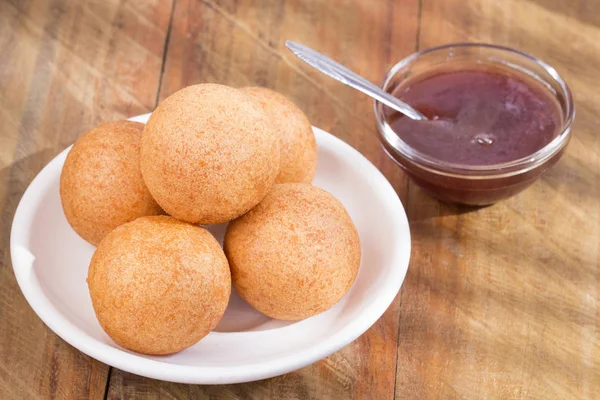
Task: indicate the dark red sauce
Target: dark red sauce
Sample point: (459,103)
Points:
(479,114)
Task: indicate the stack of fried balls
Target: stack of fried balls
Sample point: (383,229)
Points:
(209,154)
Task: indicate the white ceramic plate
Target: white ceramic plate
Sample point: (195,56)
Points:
(50,262)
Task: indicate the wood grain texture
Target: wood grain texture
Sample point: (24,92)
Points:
(502,302)
(65,67)
(241,43)
(499,303)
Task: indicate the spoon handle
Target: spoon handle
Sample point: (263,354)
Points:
(340,73)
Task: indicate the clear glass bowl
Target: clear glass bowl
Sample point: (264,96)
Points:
(474,184)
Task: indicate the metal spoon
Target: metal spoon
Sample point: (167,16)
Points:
(337,71)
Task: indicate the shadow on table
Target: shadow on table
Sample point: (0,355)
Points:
(423,207)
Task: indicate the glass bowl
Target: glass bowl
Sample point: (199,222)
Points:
(476,185)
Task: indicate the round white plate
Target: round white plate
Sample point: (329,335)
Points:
(51,261)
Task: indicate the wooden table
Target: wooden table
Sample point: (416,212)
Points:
(501,302)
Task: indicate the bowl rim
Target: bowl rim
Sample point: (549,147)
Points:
(22,261)
(466,171)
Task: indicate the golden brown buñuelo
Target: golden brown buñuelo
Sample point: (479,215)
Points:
(209,154)
(101,185)
(295,254)
(298,146)
(159,285)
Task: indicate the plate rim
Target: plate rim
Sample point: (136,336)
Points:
(166,371)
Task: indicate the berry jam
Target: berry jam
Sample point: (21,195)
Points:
(478,115)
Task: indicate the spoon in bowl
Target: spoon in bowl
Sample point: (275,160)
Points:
(340,73)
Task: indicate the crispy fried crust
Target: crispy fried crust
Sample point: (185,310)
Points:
(209,154)
(297,140)
(101,185)
(159,285)
(294,255)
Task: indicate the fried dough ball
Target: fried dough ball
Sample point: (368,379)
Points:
(159,285)
(209,154)
(101,185)
(295,254)
(297,140)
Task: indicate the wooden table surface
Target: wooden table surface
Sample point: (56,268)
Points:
(499,303)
